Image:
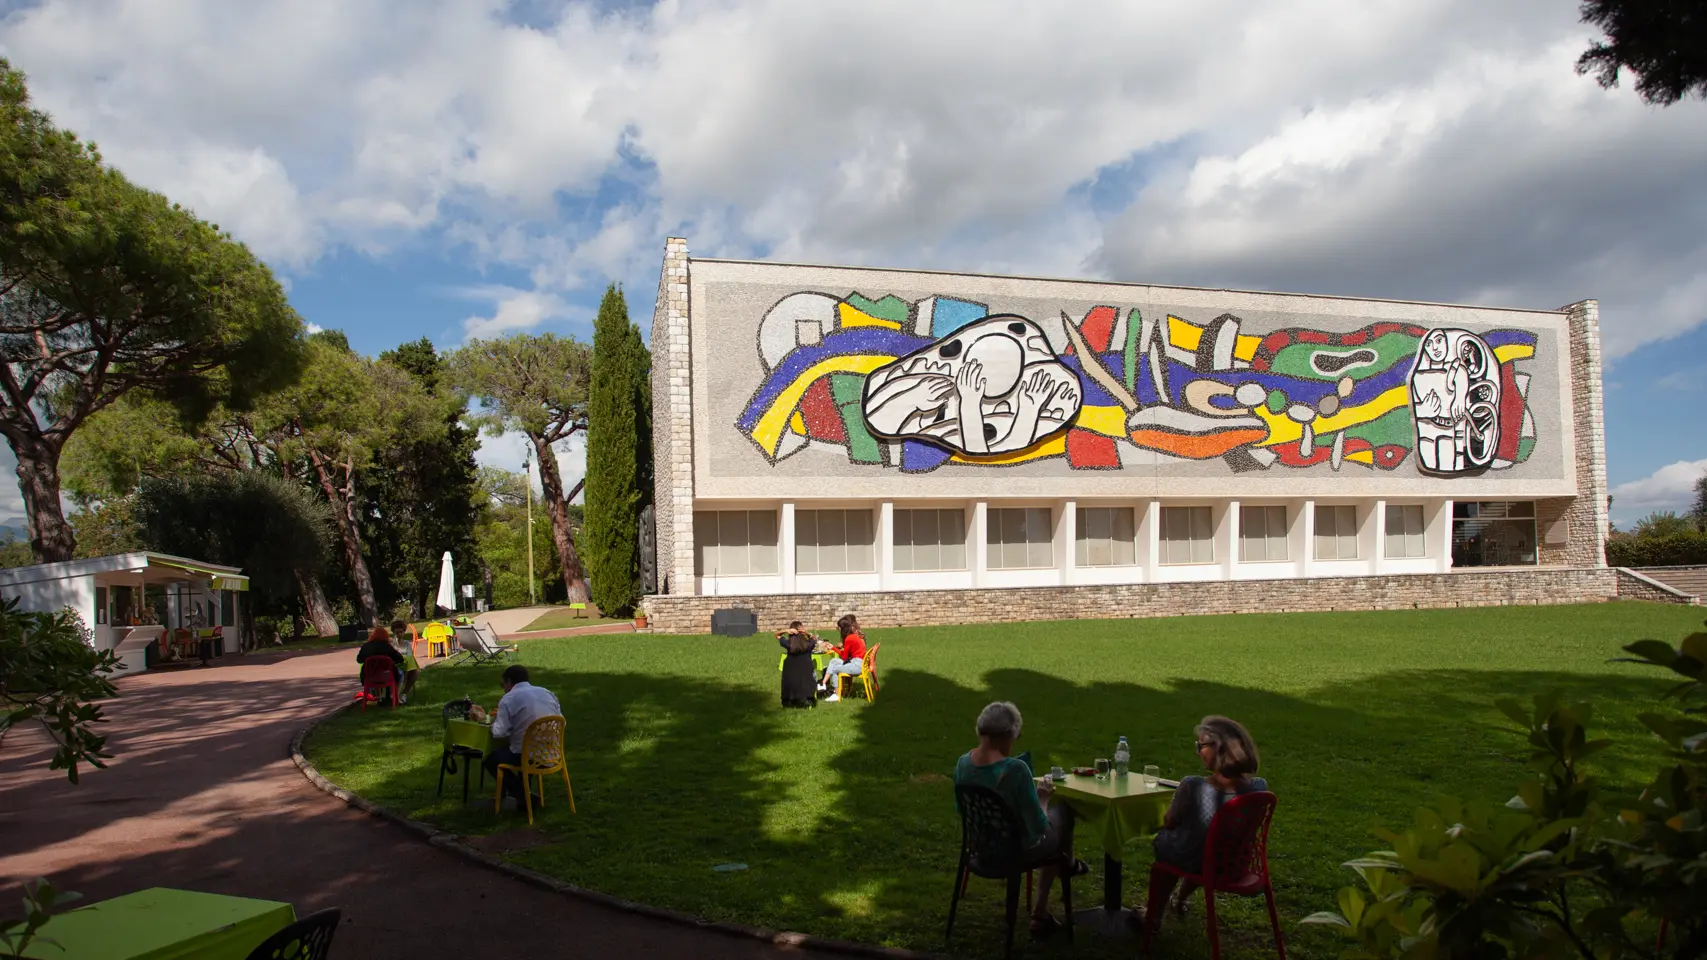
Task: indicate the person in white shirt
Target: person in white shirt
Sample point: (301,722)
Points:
(523,703)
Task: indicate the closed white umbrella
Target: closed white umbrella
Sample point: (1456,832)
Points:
(447,584)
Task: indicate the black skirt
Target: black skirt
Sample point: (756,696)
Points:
(799,686)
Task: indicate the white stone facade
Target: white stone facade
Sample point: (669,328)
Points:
(705,313)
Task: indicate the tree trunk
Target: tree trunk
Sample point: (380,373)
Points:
(51,537)
(344,510)
(315,609)
(573,579)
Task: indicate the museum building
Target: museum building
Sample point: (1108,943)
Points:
(934,447)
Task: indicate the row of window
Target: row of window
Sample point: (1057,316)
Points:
(744,542)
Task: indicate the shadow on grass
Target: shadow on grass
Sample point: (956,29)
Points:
(844,816)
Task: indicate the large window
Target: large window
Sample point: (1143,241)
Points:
(1336,532)
(1187,535)
(734,543)
(1020,538)
(930,540)
(1262,534)
(1493,533)
(1405,531)
(1106,537)
(834,541)
(100,605)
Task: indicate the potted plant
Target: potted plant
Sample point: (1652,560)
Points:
(639,619)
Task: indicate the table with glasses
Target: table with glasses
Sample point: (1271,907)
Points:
(1113,811)
(161,923)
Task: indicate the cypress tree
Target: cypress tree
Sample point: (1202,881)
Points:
(613,497)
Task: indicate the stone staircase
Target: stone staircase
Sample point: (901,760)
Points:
(1691,581)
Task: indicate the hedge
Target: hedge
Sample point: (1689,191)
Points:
(1674,550)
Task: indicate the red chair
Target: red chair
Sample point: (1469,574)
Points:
(378,674)
(1235,861)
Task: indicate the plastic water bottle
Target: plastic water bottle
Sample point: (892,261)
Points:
(1122,758)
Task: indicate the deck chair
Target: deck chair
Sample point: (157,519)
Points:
(480,645)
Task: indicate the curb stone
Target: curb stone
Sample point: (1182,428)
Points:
(453,843)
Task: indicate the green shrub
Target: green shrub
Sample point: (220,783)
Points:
(49,675)
(1670,550)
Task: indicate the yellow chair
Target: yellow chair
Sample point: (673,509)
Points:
(542,753)
(438,635)
(867,675)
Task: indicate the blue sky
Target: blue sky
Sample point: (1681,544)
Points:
(448,168)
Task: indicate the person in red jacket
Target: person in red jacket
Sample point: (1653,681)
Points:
(849,658)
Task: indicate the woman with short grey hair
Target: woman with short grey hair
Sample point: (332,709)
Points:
(1048,833)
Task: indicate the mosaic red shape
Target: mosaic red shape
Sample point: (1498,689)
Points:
(823,418)
(1091,451)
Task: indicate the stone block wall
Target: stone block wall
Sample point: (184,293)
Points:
(1638,586)
(1586,514)
(672,423)
(676,614)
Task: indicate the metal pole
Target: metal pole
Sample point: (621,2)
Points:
(527,471)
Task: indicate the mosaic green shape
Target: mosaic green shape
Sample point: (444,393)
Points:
(1276,401)
(846,389)
(1129,355)
(890,307)
(1525,446)
(1294,359)
(1392,427)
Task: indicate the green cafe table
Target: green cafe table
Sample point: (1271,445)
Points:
(468,740)
(819,661)
(163,924)
(1112,812)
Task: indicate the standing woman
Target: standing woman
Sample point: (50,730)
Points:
(1226,750)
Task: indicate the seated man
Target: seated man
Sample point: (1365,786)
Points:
(379,645)
(849,658)
(1048,833)
(523,703)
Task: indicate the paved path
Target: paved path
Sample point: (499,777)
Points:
(509,621)
(202,795)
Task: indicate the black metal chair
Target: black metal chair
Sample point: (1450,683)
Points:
(992,846)
(470,757)
(307,939)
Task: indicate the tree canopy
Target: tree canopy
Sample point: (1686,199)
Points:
(108,288)
(615,424)
(536,384)
(1662,42)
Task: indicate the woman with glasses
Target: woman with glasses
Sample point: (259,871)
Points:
(1226,750)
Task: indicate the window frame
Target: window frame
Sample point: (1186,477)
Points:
(938,543)
(1339,537)
(1269,537)
(1083,545)
(717,572)
(1404,510)
(996,519)
(1163,528)
(847,544)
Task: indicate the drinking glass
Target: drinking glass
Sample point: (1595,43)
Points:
(1102,768)
(1152,773)
(1056,773)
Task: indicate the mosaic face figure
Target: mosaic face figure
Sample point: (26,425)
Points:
(1455,401)
(990,387)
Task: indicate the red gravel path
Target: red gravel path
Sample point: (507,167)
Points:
(202,795)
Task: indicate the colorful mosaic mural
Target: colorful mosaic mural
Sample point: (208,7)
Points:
(939,381)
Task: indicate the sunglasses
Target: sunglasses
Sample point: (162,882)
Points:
(1204,743)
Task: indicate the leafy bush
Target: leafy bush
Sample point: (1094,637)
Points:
(49,675)
(1670,550)
(1558,871)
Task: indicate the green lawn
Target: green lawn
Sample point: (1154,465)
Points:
(683,759)
(563,619)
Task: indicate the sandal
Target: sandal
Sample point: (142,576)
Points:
(1078,868)
(1044,926)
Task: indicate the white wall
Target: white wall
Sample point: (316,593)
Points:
(52,596)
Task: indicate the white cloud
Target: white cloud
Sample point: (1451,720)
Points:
(1671,487)
(514,310)
(1410,148)
(313,328)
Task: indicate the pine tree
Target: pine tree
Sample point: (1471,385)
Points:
(613,497)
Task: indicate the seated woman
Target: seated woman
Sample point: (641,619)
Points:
(798,686)
(411,666)
(849,659)
(1048,833)
(379,645)
(1227,751)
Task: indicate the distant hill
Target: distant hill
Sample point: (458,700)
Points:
(16,528)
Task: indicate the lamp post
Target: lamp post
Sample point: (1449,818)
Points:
(527,480)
